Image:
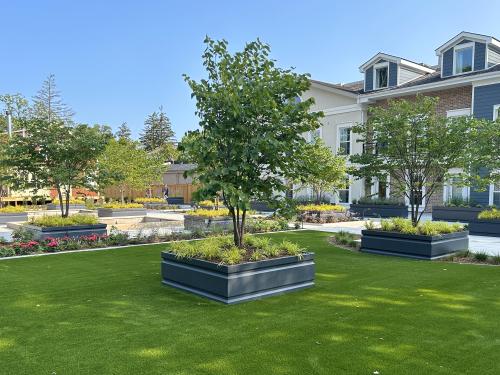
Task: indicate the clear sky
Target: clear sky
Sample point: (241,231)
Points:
(117,61)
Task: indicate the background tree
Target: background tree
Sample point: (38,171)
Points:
(18,107)
(157,131)
(415,146)
(251,122)
(48,104)
(54,154)
(123,132)
(326,171)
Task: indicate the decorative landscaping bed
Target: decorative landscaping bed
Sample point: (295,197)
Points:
(175,200)
(413,245)
(193,222)
(238,283)
(379,210)
(463,214)
(121,212)
(485,228)
(73,231)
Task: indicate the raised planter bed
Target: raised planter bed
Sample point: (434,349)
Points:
(121,212)
(13,217)
(413,245)
(379,210)
(155,205)
(42,233)
(485,227)
(462,214)
(192,222)
(52,206)
(324,214)
(238,283)
(261,206)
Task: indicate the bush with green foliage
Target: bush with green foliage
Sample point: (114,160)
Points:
(321,207)
(260,225)
(428,228)
(223,251)
(208,213)
(481,256)
(12,209)
(149,200)
(346,239)
(493,214)
(58,221)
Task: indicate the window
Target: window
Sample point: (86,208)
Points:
(344,141)
(455,191)
(464,58)
(344,192)
(495,194)
(496,112)
(380,188)
(381,75)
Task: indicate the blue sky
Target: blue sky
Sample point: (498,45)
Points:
(118,61)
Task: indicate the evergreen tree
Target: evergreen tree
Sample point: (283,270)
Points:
(48,104)
(123,132)
(157,131)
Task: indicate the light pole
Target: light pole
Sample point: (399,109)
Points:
(9,122)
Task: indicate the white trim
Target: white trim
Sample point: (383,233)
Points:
(383,65)
(375,185)
(469,36)
(345,125)
(496,107)
(459,47)
(394,59)
(328,87)
(491,191)
(349,189)
(422,205)
(458,112)
(448,83)
(341,109)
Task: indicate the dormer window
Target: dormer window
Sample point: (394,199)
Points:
(463,58)
(381,75)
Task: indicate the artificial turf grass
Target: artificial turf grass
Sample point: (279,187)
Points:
(107,313)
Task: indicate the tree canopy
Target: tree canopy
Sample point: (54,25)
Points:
(48,104)
(250,142)
(157,131)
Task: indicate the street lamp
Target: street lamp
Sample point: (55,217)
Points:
(9,122)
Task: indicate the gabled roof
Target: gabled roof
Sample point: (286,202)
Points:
(398,60)
(468,36)
(350,89)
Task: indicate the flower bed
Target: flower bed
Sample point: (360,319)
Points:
(218,270)
(143,200)
(121,210)
(428,240)
(486,224)
(72,226)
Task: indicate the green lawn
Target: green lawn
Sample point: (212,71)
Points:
(106,313)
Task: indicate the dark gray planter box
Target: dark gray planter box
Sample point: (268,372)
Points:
(261,206)
(42,233)
(192,222)
(156,205)
(462,214)
(379,210)
(121,212)
(485,228)
(52,206)
(238,283)
(175,200)
(412,245)
(13,217)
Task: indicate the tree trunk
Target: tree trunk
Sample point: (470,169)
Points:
(122,197)
(61,200)
(68,196)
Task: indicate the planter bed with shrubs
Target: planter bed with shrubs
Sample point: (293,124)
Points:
(13,214)
(429,240)
(207,219)
(121,210)
(367,207)
(218,270)
(44,227)
(486,224)
(322,213)
(74,204)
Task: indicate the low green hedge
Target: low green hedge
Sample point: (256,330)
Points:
(427,228)
(58,221)
(493,214)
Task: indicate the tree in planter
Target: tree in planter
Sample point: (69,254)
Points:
(54,154)
(414,145)
(327,172)
(251,122)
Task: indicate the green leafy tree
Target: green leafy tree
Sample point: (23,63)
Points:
(415,146)
(48,104)
(55,154)
(124,132)
(17,106)
(250,142)
(326,171)
(157,131)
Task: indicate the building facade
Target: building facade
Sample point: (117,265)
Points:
(466,79)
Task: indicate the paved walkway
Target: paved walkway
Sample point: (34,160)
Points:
(490,245)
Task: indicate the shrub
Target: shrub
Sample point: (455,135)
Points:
(493,214)
(57,221)
(254,225)
(117,206)
(321,207)
(428,228)
(206,202)
(481,256)
(7,252)
(379,201)
(495,259)
(149,200)
(22,234)
(209,213)
(71,201)
(12,209)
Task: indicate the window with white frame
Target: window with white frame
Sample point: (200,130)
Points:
(381,75)
(344,194)
(380,188)
(496,112)
(455,191)
(344,136)
(463,58)
(495,194)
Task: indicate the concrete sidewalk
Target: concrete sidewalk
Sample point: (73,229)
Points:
(489,245)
